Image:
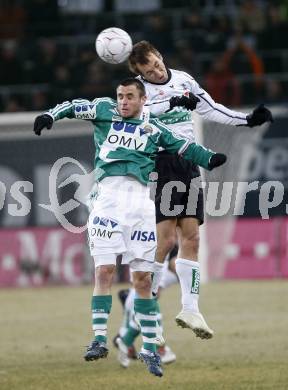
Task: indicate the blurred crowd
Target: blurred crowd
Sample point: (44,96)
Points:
(236,49)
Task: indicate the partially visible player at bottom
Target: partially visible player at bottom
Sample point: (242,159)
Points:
(130,329)
(123,212)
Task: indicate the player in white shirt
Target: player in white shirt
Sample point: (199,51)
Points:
(161,83)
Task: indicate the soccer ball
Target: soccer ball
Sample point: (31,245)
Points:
(113,45)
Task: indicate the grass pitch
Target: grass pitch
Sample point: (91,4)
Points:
(43,333)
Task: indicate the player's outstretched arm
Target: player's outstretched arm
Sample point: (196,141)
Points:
(78,109)
(203,157)
(46,120)
(216,112)
(192,151)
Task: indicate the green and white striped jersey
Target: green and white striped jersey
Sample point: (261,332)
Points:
(128,146)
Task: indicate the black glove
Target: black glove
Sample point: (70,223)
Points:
(42,121)
(189,102)
(216,160)
(260,115)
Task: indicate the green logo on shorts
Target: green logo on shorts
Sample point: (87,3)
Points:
(195,281)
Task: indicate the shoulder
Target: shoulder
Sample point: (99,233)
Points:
(104,100)
(181,74)
(104,104)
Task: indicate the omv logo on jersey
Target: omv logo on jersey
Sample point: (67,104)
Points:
(139,235)
(128,135)
(85,111)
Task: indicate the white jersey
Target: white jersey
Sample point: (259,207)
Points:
(180,119)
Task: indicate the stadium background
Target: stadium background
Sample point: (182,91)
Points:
(238,51)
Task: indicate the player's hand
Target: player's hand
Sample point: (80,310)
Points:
(216,160)
(260,115)
(189,102)
(42,121)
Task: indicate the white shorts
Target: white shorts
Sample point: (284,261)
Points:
(135,265)
(122,222)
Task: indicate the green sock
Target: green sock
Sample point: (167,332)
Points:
(145,310)
(101,307)
(132,331)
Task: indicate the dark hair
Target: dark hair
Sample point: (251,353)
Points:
(140,53)
(131,81)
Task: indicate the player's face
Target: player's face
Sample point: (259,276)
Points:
(130,102)
(155,70)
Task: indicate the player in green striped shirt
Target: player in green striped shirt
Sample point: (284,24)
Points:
(122,221)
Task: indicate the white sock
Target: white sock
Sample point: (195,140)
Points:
(146,351)
(157,276)
(189,276)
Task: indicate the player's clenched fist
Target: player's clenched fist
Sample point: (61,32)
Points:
(42,121)
(189,102)
(260,115)
(217,160)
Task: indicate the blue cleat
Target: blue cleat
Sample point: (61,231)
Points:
(96,350)
(152,361)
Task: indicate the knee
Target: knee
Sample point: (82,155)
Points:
(142,281)
(104,275)
(191,241)
(167,243)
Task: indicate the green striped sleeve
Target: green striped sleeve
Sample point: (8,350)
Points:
(192,151)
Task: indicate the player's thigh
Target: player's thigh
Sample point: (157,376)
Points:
(188,238)
(188,229)
(166,231)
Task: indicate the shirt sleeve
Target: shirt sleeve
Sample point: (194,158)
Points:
(184,147)
(77,108)
(213,111)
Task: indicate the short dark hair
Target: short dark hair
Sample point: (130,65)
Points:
(131,81)
(140,53)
